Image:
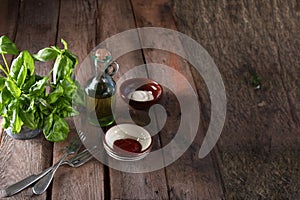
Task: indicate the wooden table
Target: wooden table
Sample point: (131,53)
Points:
(257,155)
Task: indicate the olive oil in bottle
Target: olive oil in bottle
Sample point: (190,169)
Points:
(101,90)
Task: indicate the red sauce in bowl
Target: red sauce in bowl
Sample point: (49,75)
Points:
(129,145)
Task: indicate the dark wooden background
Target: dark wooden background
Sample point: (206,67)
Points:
(259,146)
(257,156)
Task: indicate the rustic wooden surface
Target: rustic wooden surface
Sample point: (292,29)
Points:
(197,178)
(257,156)
(125,185)
(79,30)
(33,29)
(259,36)
(243,36)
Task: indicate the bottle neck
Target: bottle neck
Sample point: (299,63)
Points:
(100,67)
(101,58)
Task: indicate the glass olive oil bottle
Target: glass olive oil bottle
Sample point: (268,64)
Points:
(101,89)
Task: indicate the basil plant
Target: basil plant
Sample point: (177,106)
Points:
(24,97)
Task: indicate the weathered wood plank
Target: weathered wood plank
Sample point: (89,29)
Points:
(19,159)
(9,14)
(77,25)
(188,177)
(242,37)
(106,29)
(8,22)
(262,126)
(114,17)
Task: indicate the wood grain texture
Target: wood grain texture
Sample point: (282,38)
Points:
(262,126)
(242,37)
(188,177)
(19,159)
(8,22)
(115,17)
(9,14)
(77,25)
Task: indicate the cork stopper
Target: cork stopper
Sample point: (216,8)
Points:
(102,54)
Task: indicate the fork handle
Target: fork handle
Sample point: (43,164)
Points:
(26,182)
(42,185)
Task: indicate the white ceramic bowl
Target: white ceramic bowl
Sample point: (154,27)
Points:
(127,131)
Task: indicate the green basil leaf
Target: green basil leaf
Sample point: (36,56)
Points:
(7,46)
(72,112)
(65,108)
(8,112)
(1,105)
(2,82)
(79,96)
(28,62)
(44,110)
(26,103)
(57,67)
(61,104)
(64,43)
(53,96)
(2,108)
(69,87)
(17,122)
(29,81)
(48,123)
(39,87)
(21,76)
(6,122)
(62,68)
(56,49)
(46,54)
(68,69)
(40,119)
(13,105)
(60,130)
(16,66)
(24,59)
(72,57)
(44,107)
(13,88)
(5,96)
(28,119)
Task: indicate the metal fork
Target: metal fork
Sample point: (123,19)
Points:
(76,161)
(79,159)
(42,185)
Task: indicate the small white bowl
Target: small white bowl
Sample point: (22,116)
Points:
(127,131)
